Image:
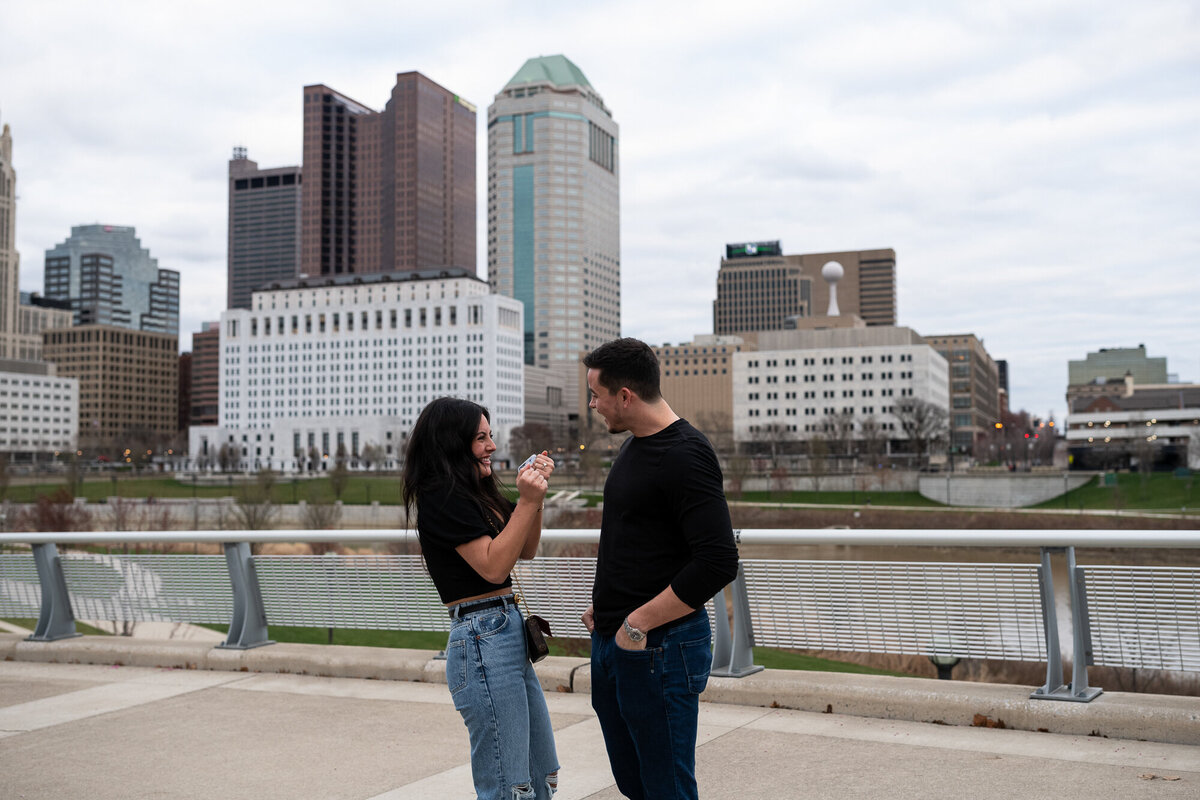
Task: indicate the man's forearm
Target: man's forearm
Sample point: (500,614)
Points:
(662,608)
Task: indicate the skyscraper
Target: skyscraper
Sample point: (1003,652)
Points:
(23,316)
(554,238)
(264,227)
(9,259)
(110,279)
(391,190)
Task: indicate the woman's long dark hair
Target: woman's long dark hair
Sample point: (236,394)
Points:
(439,454)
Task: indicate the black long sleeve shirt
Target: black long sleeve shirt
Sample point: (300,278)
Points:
(665,523)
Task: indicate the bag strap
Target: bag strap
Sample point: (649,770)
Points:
(520,593)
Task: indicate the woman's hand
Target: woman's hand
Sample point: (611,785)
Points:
(542,463)
(532,481)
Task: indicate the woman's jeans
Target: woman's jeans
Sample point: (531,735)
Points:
(497,693)
(647,702)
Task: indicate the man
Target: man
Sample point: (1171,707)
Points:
(666,547)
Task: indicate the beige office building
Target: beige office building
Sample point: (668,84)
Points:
(760,289)
(974,389)
(697,379)
(128,382)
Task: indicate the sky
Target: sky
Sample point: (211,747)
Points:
(1035,164)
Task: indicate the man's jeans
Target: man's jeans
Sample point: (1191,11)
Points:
(498,695)
(648,701)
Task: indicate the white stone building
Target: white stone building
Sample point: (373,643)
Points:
(799,380)
(351,360)
(39,411)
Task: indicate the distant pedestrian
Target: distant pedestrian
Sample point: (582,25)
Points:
(666,547)
(471,537)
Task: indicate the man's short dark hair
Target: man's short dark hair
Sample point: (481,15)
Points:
(626,362)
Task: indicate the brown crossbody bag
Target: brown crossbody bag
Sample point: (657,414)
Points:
(536,628)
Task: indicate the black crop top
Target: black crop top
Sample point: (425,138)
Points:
(444,521)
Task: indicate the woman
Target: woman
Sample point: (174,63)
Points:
(471,538)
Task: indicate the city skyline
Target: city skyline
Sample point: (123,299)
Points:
(1024,163)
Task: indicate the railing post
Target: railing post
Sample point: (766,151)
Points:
(1054,672)
(1077,691)
(56,620)
(248,627)
(1081,634)
(733,653)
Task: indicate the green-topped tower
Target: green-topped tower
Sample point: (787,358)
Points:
(554,239)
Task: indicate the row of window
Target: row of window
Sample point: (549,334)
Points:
(827,361)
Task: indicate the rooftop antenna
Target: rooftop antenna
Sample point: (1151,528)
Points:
(239,153)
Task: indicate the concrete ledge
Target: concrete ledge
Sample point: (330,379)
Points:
(8,646)
(341,661)
(1118,715)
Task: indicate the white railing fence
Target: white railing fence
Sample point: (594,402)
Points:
(1120,616)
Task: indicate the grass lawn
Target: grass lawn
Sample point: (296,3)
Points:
(436,640)
(577,648)
(1152,491)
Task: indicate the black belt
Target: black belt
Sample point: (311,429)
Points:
(468,608)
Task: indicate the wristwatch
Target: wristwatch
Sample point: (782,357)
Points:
(633,633)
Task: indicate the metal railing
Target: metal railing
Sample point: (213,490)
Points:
(1120,616)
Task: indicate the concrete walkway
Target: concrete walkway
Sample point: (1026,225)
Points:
(72,730)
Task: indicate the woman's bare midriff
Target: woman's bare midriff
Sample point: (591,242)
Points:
(485,596)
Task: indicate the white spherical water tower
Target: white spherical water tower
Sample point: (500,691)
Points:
(832,272)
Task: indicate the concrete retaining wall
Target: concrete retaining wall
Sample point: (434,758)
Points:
(1011,490)
(880,480)
(217,514)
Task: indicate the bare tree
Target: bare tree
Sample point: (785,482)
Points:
(227,457)
(926,426)
(738,469)
(255,508)
(873,440)
(1143,452)
(818,460)
(54,512)
(839,431)
(339,476)
(120,513)
(371,455)
(718,427)
(532,437)
(321,515)
(776,439)
(4,476)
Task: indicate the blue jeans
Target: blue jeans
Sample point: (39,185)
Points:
(497,693)
(648,702)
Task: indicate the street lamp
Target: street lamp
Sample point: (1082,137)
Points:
(945,666)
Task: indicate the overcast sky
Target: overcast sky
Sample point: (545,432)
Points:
(1034,163)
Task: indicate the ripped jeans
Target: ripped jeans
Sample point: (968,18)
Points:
(498,695)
